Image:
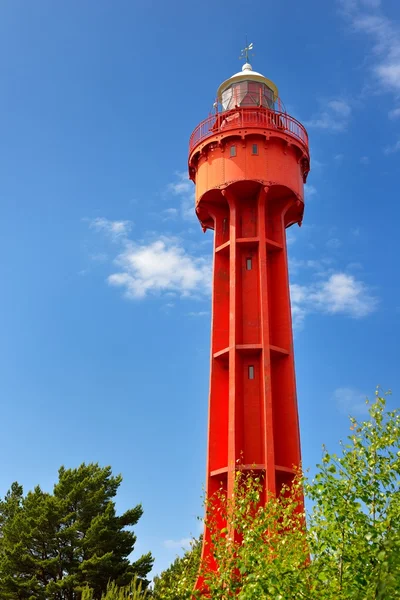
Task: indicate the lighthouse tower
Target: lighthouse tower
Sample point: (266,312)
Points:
(249,162)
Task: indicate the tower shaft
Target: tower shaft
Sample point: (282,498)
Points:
(253,422)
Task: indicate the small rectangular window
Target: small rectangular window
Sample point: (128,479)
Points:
(233,150)
(248,264)
(251,372)
(254,149)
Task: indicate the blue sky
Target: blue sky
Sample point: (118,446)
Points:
(104,304)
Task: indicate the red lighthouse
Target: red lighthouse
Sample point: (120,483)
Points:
(249,162)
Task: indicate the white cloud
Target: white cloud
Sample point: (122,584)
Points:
(395,113)
(364,160)
(182,544)
(320,266)
(333,243)
(340,107)
(182,186)
(290,237)
(170,213)
(390,74)
(348,5)
(184,189)
(385,34)
(159,267)
(349,400)
(99,256)
(334,116)
(340,293)
(317,164)
(309,191)
(392,149)
(351,5)
(115,229)
(354,266)
(200,313)
(371,3)
(298,295)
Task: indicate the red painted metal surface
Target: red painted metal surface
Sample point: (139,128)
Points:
(249,166)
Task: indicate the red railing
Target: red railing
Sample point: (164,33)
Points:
(247,117)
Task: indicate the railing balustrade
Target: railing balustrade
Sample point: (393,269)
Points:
(247,117)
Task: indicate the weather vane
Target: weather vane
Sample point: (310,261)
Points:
(246,52)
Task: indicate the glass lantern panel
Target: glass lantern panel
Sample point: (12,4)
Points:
(226,99)
(268,97)
(247,93)
(253,94)
(239,91)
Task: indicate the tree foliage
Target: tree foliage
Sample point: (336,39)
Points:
(346,547)
(355,521)
(177,582)
(53,544)
(133,591)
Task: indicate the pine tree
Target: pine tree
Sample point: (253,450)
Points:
(53,545)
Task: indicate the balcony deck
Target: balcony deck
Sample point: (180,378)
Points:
(238,118)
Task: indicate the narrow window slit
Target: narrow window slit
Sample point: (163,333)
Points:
(251,371)
(233,150)
(254,149)
(249,264)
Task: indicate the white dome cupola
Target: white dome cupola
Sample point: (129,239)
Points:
(247,88)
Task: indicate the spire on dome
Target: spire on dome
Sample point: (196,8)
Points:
(245,53)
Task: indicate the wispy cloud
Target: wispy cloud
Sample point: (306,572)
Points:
(99,257)
(371,3)
(114,229)
(333,243)
(310,191)
(334,116)
(183,188)
(170,213)
(350,400)
(340,293)
(394,114)
(392,149)
(319,266)
(290,237)
(352,5)
(182,544)
(366,17)
(298,297)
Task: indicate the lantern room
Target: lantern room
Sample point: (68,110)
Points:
(247,89)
